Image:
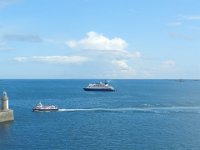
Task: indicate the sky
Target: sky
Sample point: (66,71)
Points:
(99,39)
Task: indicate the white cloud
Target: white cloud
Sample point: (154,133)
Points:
(4,3)
(180,36)
(71,43)
(20,59)
(168,63)
(3,47)
(124,68)
(180,19)
(121,64)
(194,17)
(60,59)
(53,59)
(95,41)
(108,48)
(127,54)
(175,24)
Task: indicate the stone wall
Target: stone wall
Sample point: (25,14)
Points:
(6,115)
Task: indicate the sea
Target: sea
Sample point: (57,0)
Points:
(139,115)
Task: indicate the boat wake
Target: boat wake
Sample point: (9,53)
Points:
(177,109)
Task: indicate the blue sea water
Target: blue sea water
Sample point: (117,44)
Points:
(139,115)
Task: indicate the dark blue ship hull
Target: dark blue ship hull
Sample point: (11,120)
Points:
(96,89)
(44,110)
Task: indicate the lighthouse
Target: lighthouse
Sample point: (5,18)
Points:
(6,114)
(4,101)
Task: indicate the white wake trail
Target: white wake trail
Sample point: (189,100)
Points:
(183,109)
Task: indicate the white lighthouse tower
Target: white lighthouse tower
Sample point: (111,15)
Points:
(4,101)
(6,114)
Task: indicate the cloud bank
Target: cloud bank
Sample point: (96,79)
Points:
(110,50)
(108,54)
(53,59)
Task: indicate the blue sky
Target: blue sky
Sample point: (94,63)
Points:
(106,39)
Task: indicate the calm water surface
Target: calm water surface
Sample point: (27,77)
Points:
(140,115)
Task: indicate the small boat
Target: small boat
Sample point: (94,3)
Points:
(41,107)
(99,87)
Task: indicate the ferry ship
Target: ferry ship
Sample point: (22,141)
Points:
(99,87)
(41,107)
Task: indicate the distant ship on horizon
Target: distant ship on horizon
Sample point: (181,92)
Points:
(99,87)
